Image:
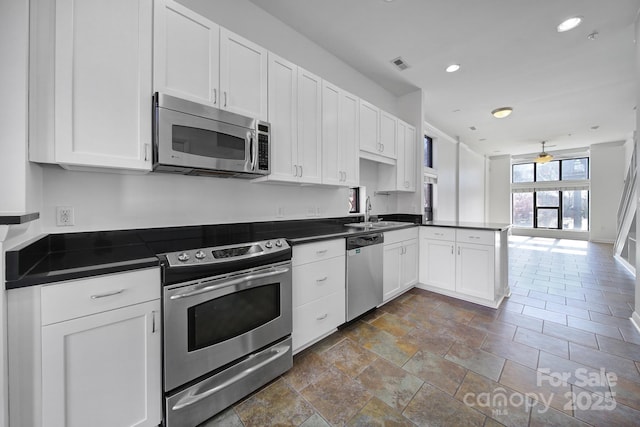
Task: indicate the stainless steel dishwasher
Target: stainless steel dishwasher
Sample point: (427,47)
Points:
(364,273)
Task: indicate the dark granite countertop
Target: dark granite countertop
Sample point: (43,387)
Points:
(491,226)
(18,218)
(57,257)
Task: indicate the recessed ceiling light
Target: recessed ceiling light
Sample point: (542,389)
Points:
(501,113)
(569,24)
(452,68)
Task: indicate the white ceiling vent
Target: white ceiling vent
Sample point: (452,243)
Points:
(399,62)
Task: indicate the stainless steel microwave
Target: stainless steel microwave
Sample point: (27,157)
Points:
(196,139)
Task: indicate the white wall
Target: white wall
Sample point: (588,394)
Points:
(636,313)
(607,173)
(499,190)
(471,185)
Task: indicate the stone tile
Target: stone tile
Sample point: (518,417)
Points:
(437,343)
(571,334)
(349,357)
(603,413)
(619,348)
(623,312)
(276,404)
(453,312)
(394,386)
(546,391)
(437,371)
(565,309)
(598,359)
(458,331)
(226,418)
(336,396)
(590,305)
(521,320)
(307,367)
(477,360)
(383,344)
(542,296)
(630,334)
(315,420)
(532,302)
(610,320)
(432,407)
(552,418)
(545,315)
(572,372)
(392,324)
(508,349)
(626,391)
(512,306)
(502,329)
(501,403)
(540,341)
(377,414)
(327,342)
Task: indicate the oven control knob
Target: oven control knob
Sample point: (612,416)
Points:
(268,245)
(200,254)
(183,257)
(278,243)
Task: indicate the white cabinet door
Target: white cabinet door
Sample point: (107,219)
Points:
(409,264)
(331,170)
(186,55)
(406,158)
(283,97)
(349,139)
(309,127)
(475,270)
(243,75)
(369,127)
(103,369)
(438,263)
(391,270)
(388,135)
(103,83)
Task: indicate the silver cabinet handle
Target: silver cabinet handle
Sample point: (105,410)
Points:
(458,250)
(153,322)
(295,167)
(301,171)
(189,400)
(232,282)
(324,279)
(322,317)
(146,152)
(474,237)
(108,294)
(321,252)
(451,250)
(215,96)
(382,145)
(225,98)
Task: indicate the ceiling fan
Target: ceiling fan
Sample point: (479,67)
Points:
(543,157)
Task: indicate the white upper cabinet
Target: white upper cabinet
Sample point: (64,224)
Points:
(378,133)
(196,59)
(369,127)
(402,175)
(243,76)
(295,111)
(186,54)
(388,135)
(340,113)
(91,72)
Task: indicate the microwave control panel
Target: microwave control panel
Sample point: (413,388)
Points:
(263,147)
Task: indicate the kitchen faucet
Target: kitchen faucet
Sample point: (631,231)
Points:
(367,209)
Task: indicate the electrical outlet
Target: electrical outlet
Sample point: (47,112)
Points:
(64,216)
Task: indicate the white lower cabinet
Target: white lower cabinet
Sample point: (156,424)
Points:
(400,262)
(464,263)
(90,350)
(318,291)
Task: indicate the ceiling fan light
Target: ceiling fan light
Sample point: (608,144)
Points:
(544,158)
(501,113)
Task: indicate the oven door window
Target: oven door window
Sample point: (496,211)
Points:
(207,143)
(223,318)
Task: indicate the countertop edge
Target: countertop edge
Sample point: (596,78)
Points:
(490,227)
(348,233)
(21,218)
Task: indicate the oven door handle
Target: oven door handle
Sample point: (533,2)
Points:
(228,283)
(195,398)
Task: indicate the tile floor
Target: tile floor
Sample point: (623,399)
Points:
(560,351)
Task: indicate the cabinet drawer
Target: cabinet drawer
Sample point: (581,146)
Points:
(318,279)
(318,317)
(77,298)
(311,252)
(482,237)
(439,233)
(396,236)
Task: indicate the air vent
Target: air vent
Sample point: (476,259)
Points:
(399,62)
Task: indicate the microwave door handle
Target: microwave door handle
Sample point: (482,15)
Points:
(232,282)
(252,150)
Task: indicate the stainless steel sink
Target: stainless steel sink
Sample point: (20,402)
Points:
(376,224)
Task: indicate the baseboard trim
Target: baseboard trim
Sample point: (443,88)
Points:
(625,264)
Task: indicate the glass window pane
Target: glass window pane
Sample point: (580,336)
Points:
(523,209)
(428,201)
(547,218)
(354,197)
(575,169)
(427,159)
(575,210)
(548,198)
(523,173)
(548,171)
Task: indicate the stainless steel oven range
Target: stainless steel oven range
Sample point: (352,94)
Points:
(227,321)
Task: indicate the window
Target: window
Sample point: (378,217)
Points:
(540,198)
(428,201)
(354,200)
(427,159)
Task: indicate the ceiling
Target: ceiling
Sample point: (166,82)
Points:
(560,85)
